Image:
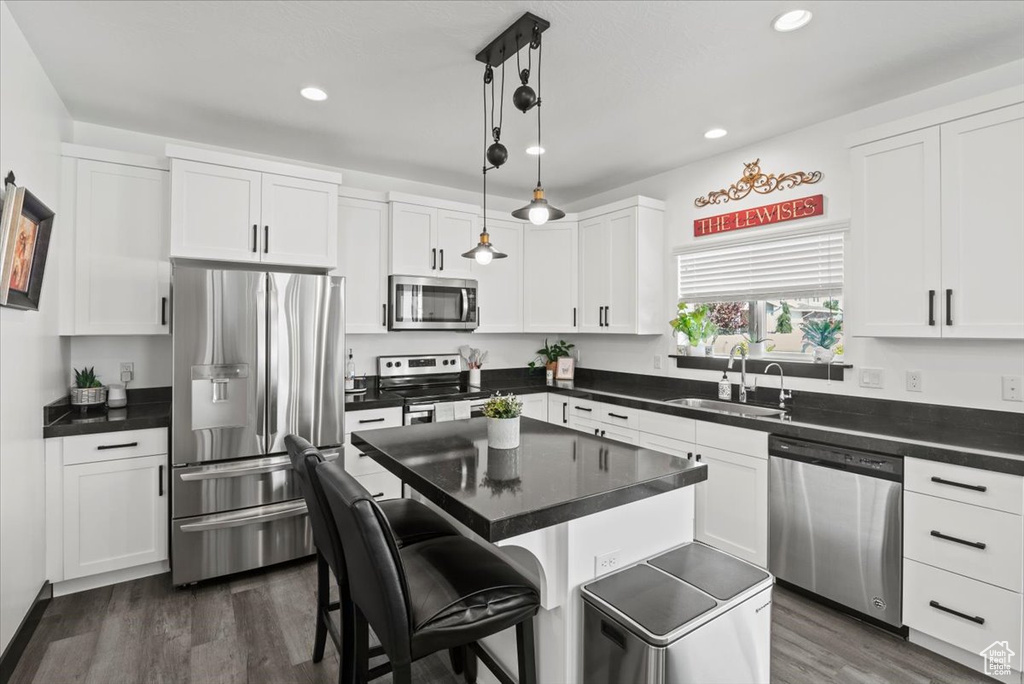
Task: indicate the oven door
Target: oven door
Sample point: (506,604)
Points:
(431,303)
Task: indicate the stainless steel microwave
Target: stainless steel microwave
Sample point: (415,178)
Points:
(416,303)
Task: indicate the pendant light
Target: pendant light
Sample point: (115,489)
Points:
(496,154)
(538,211)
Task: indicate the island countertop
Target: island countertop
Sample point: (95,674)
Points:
(555,475)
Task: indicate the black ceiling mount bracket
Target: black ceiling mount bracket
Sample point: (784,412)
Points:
(525,30)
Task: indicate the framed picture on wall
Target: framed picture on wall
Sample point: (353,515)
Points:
(565,368)
(25,227)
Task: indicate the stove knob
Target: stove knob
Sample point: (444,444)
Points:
(398,364)
(390,364)
(445,362)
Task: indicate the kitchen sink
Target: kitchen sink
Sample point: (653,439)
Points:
(727,407)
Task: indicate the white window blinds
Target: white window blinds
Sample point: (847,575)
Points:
(792,266)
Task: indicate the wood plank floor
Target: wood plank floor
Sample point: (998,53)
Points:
(258,628)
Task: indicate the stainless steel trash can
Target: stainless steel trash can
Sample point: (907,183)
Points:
(691,615)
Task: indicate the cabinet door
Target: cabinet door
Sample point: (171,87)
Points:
(594,264)
(457,232)
(535,406)
(115,515)
(500,283)
(300,222)
(215,212)
(551,262)
(122,266)
(412,235)
(732,505)
(983,225)
(895,237)
(620,316)
(363,260)
(558,409)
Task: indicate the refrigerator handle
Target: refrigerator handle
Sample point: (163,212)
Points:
(261,360)
(272,330)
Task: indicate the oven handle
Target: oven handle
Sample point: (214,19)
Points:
(296,509)
(217,473)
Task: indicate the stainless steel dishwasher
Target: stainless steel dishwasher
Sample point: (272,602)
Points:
(836,525)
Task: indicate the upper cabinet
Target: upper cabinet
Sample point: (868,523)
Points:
(429,240)
(363,260)
(500,283)
(551,260)
(116,206)
(621,256)
(938,230)
(252,211)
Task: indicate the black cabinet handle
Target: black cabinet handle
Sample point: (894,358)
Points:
(600,316)
(574,316)
(433,259)
(126,445)
(931,307)
(384,318)
(442,259)
(698,458)
(364,421)
(266,239)
(565,417)
(255,238)
(607,316)
(976,545)
(961,485)
(689,455)
(602,433)
(160,481)
(965,616)
(583,408)
(949,307)
(163,311)
(595,432)
(616,415)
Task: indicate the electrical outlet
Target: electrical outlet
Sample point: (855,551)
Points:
(1012,388)
(127,371)
(872,377)
(914,381)
(605,563)
(657,362)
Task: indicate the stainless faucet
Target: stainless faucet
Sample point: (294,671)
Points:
(744,387)
(783,394)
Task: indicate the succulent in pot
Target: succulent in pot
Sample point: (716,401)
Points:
(821,335)
(503,412)
(550,353)
(88,389)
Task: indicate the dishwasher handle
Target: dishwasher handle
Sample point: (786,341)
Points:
(881,466)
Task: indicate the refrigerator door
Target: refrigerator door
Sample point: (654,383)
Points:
(219,373)
(306,359)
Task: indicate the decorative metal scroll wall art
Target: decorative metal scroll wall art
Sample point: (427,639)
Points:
(754,180)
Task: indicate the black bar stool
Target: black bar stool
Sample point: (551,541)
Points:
(411,520)
(444,593)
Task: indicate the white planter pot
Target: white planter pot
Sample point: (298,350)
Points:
(474,377)
(822,355)
(503,433)
(697,350)
(502,464)
(755,350)
(682,349)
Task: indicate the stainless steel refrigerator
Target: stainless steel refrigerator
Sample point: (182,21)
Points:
(257,356)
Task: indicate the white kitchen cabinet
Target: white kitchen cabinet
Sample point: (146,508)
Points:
(732,504)
(363,261)
(115,515)
(499,294)
(551,284)
(224,213)
(121,264)
(535,406)
(429,241)
(457,232)
(621,265)
(558,409)
(379,482)
(983,225)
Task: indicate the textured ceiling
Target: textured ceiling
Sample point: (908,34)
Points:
(629,87)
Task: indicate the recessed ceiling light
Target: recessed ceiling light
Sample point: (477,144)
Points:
(791,21)
(315,94)
(535,150)
(716,133)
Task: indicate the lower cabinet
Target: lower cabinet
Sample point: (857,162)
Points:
(558,409)
(535,406)
(380,483)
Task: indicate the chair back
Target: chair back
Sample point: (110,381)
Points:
(305,458)
(375,573)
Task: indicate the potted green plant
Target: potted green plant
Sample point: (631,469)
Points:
(550,354)
(821,335)
(502,412)
(88,390)
(755,347)
(695,325)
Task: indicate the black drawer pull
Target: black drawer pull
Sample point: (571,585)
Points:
(255,239)
(583,408)
(163,311)
(384,320)
(363,421)
(616,415)
(961,485)
(126,445)
(565,418)
(602,433)
(931,307)
(160,481)
(949,307)
(965,616)
(613,635)
(266,239)
(698,458)
(378,495)
(689,455)
(977,545)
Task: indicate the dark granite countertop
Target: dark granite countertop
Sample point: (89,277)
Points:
(132,417)
(371,399)
(555,475)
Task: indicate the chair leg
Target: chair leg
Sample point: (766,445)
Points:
(525,648)
(469,664)
(401,674)
(323,597)
(457,658)
(354,656)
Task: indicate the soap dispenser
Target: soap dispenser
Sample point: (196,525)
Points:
(350,372)
(724,388)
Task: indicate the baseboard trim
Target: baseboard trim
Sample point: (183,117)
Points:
(103,579)
(22,635)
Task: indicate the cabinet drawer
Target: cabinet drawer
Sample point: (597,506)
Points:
(382,485)
(373,419)
(584,408)
(357,463)
(734,439)
(977,542)
(987,613)
(667,445)
(665,425)
(619,416)
(1001,491)
(109,446)
(599,429)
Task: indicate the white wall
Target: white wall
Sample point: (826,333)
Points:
(955,372)
(33,121)
(151,355)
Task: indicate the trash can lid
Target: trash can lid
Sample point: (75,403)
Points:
(657,602)
(710,570)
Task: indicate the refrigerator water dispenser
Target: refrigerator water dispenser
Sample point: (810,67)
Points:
(220,396)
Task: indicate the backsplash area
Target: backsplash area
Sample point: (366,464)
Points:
(151,355)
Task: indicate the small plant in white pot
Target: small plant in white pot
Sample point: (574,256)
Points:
(503,413)
(695,326)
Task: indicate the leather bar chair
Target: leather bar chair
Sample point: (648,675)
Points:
(412,521)
(444,593)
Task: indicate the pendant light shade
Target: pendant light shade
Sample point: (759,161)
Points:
(484,252)
(538,212)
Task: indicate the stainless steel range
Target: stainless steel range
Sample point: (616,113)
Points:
(430,387)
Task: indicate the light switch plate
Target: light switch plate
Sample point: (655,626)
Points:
(914,381)
(872,377)
(657,362)
(1012,388)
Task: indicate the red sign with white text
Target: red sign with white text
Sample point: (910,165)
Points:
(760,216)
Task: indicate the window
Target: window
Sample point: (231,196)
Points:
(766,289)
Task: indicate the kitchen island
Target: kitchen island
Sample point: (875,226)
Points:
(559,506)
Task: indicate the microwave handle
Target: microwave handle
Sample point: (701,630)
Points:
(465,305)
